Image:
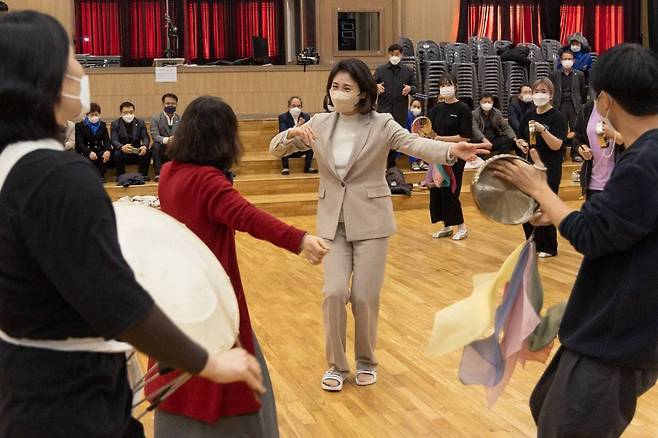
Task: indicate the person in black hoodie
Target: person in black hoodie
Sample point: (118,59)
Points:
(600,146)
(519,106)
(609,332)
(92,139)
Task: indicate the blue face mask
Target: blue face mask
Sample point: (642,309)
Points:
(170,110)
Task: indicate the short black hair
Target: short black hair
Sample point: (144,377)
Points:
(125,105)
(393,47)
(415,99)
(628,74)
(295,97)
(487,95)
(35,56)
(361,74)
(4,7)
(207,134)
(448,79)
(171,95)
(567,50)
(94,108)
(524,85)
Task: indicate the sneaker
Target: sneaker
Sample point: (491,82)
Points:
(146,178)
(415,167)
(544,255)
(310,170)
(575,176)
(443,233)
(460,235)
(578,159)
(156,178)
(424,166)
(285,171)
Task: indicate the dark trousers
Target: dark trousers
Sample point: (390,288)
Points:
(391,160)
(545,237)
(445,206)
(569,111)
(121,159)
(159,156)
(579,396)
(458,170)
(308,159)
(591,193)
(98,162)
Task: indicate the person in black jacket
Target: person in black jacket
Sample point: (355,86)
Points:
(395,83)
(290,119)
(130,141)
(92,139)
(609,333)
(519,105)
(570,94)
(600,146)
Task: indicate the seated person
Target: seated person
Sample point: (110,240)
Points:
(69,136)
(489,125)
(163,127)
(415,110)
(290,119)
(92,139)
(130,141)
(520,104)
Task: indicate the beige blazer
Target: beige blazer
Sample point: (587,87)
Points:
(363,195)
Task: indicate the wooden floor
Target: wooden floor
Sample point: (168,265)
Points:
(415,396)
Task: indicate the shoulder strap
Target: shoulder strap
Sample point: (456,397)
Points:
(15,151)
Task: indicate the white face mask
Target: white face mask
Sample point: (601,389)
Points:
(295,112)
(486,106)
(605,118)
(527,98)
(331,108)
(416,111)
(128,118)
(567,63)
(541,99)
(344,102)
(395,60)
(575,48)
(447,91)
(94,119)
(84,97)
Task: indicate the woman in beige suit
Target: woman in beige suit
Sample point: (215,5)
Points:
(355,212)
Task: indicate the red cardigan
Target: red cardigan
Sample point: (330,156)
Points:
(203,198)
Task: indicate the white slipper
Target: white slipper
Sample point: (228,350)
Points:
(332,375)
(372,381)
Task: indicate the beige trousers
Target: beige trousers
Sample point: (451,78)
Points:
(363,262)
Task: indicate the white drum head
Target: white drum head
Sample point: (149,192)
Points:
(181,274)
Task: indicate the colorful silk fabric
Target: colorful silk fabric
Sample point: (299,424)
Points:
(519,333)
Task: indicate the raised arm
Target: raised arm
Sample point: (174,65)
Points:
(281,145)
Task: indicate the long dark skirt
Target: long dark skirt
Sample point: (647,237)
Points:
(445,206)
(545,237)
(262,424)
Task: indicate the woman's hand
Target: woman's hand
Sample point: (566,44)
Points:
(305,132)
(523,145)
(142,151)
(106,156)
(469,151)
(539,128)
(529,178)
(314,248)
(585,152)
(93,156)
(540,219)
(235,365)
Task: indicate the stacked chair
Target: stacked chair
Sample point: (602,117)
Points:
(457,53)
(514,75)
(551,52)
(467,83)
(481,46)
(407,47)
(490,73)
(501,45)
(432,66)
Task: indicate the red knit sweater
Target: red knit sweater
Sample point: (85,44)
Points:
(204,199)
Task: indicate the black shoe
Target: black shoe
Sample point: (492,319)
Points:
(310,170)
(156,178)
(146,178)
(285,171)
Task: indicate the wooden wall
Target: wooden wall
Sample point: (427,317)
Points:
(251,91)
(436,20)
(63,10)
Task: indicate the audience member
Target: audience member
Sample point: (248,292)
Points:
(163,127)
(545,129)
(395,83)
(130,141)
(92,139)
(570,93)
(415,110)
(600,145)
(290,119)
(489,126)
(582,58)
(520,104)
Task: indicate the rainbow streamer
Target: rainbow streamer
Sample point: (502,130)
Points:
(519,332)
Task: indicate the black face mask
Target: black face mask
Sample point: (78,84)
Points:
(170,109)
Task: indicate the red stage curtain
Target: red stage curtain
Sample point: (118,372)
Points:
(601,21)
(572,19)
(97,27)
(514,20)
(205,26)
(144,36)
(608,26)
